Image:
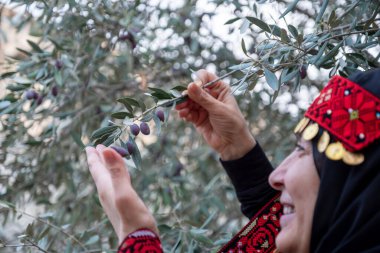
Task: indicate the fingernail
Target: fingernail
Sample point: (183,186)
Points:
(100,147)
(89,149)
(198,82)
(195,89)
(110,157)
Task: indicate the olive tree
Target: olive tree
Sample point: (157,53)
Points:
(99,71)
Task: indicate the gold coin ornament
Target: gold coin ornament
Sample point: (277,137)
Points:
(323,142)
(353,158)
(299,125)
(310,131)
(335,151)
(305,122)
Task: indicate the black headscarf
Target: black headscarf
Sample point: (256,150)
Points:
(347,211)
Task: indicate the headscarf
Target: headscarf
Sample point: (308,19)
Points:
(343,124)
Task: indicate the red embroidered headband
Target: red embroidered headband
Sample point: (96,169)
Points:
(349,113)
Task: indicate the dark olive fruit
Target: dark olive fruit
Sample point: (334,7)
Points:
(144,128)
(54,91)
(135,130)
(31,95)
(177,169)
(128,36)
(303,72)
(160,114)
(58,64)
(39,99)
(122,151)
(98,110)
(130,147)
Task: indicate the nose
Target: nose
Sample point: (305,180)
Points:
(276,178)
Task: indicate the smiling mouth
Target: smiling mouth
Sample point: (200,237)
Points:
(288,215)
(288,209)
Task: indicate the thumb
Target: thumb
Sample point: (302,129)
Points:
(130,207)
(201,97)
(116,167)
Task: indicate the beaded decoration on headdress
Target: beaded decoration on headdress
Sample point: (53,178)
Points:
(349,116)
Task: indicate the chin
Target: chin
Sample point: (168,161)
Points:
(286,241)
(282,244)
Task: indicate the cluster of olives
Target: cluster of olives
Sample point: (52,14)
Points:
(34,95)
(135,129)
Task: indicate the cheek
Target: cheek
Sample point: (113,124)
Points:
(302,178)
(296,183)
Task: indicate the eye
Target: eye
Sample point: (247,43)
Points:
(299,147)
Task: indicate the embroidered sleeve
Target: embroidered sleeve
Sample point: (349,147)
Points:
(260,232)
(141,241)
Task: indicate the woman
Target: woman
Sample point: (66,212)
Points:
(327,186)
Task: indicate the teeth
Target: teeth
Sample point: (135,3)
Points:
(288,210)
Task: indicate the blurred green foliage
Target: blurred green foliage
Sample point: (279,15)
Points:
(86,57)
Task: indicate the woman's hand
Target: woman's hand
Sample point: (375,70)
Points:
(216,115)
(124,208)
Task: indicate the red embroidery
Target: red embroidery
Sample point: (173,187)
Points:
(259,235)
(349,112)
(141,241)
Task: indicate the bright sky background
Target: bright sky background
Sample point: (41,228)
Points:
(271,12)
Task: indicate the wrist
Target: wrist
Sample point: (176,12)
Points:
(239,149)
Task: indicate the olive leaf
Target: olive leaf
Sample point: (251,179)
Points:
(103,132)
(271,79)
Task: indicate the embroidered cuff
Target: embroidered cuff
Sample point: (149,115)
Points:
(142,240)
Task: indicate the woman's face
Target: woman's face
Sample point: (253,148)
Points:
(296,177)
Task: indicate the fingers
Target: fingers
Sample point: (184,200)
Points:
(183,105)
(203,101)
(204,76)
(94,164)
(119,176)
(121,203)
(130,207)
(115,165)
(205,97)
(201,97)
(103,183)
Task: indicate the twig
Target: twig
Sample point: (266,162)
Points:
(297,8)
(47,223)
(337,36)
(183,97)
(23,245)
(338,28)
(35,245)
(218,79)
(98,250)
(2,245)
